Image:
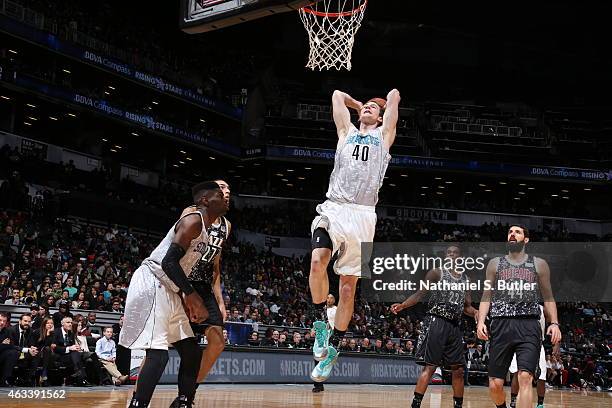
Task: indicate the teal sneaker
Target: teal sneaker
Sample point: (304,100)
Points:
(323,369)
(319,348)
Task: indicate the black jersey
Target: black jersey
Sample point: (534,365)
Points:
(515,298)
(448,302)
(203,271)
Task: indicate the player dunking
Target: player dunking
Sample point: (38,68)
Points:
(205,278)
(514,316)
(441,343)
(348,217)
(155,315)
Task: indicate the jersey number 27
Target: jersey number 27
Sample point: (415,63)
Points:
(365,151)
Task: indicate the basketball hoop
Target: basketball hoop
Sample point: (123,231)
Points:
(331,26)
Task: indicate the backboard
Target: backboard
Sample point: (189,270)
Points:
(200,16)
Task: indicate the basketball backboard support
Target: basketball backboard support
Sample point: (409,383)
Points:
(200,16)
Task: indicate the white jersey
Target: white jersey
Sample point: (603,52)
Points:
(331,315)
(154,314)
(360,164)
(194,253)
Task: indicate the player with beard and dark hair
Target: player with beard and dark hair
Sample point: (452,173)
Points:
(441,343)
(517,280)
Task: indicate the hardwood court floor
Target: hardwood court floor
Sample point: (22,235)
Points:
(276,396)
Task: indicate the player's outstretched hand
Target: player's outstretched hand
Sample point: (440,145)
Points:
(483,333)
(194,307)
(396,308)
(554,333)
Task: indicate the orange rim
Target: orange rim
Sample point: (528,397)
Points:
(309,10)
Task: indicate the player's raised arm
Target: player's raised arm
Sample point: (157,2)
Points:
(485,303)
(550,306)
(188,228)
(390,117)
(433,275)
(341,101)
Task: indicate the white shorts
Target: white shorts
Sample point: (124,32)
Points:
(348,225)
(542,364)
(154,315)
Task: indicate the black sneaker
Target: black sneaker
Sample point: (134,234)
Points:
(182,402)
(318,387)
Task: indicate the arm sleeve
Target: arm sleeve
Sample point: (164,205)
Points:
(172,267)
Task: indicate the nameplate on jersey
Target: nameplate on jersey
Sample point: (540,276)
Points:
(363,140)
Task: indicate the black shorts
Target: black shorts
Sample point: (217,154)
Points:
(510,335)
(441,343)
(214,313)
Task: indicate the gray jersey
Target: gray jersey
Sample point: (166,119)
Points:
(196,250)
(516,301)
(449,304)
(359,168)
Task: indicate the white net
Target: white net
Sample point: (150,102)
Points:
(331,26)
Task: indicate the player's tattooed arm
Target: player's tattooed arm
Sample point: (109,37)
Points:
(341,101)
(390,117)
(485,303)
(433,275)
(550,306)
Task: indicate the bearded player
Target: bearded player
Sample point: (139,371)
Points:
(348,217)
(517,281)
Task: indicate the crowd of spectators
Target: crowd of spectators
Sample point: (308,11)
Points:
(166,53)
(81,269)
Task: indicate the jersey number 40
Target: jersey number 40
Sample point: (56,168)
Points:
(365,151)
